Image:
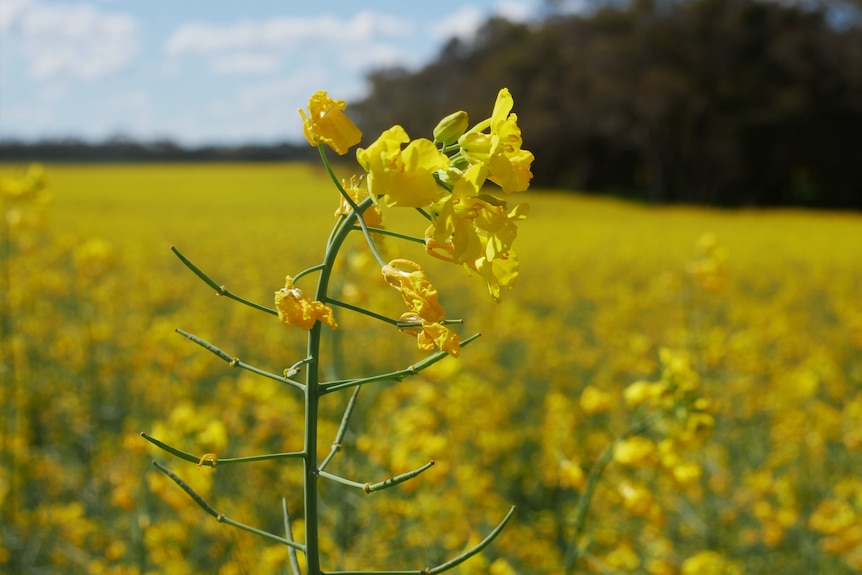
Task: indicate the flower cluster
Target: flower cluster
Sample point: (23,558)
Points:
(685,421)
(839,519)
(445,179)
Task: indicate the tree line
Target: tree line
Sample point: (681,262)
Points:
(724,102)
(122,149)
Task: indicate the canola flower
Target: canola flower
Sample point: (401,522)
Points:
(426,315)
(476,227)
(470,225)
(294,308)
(326,123)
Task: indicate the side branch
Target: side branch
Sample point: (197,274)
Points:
(574,552)
(342,429)
(361,310)
(380,485)
(393,375)
(235,361)
(221,518)
(385,232)
(393,481)
(213,461)
(477,549)
(220,289)
(451,564)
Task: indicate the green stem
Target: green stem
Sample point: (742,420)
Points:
(398,479)
(424,214)
(342,429)
(380,485)
(385,232)
(478,548)
(574,551)
(451,564)
(363,311)
(236,362)
(332,386)
(288,533)
(313,390)
(220,289)
(219,460)
(307,271)
(325,159)
(220,517)
(358,209)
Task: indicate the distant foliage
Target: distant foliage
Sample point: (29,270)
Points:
(728,102)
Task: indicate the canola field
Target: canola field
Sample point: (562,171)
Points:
(743,328)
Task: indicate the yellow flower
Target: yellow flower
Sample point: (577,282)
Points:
(294,308)
(623,557)
(644,392)
(415,287)
(373,216)
(637,498)
(708,563)
(430,334)
(498,273)
(455,217)
(594,400)
(402,177)
(500,149)
(15,189)
(327,124)
(426,314)
(634,451)
(479,225)
(571,475)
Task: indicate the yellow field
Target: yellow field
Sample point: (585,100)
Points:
(756,315)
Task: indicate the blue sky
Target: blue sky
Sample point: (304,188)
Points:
(216,71)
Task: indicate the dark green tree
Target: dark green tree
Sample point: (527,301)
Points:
(708,101)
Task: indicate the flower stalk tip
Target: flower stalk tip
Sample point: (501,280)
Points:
(326,123)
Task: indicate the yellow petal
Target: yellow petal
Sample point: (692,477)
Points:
(294,308)
(444,338)
(418,292)
(327,124)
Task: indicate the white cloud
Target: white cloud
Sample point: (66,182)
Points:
(275,93)
(11,12)
(462,24)
(466,21)
(69,40)
(265,46)
(516,11)
(284,33)
(245,63)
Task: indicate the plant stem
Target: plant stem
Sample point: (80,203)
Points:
(574,551)
(313,393)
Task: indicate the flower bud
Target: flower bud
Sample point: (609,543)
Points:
(451,127)
(459,162)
